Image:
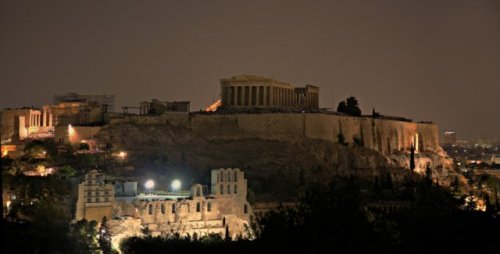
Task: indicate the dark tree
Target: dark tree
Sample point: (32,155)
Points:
(349,107)
(84,146)
(388,181)
(428,175)
(302,177)
(497,205)
(227,237)
(376,186)
(156,108)
(412,159)
(105,237)
(342,108)
(353,107)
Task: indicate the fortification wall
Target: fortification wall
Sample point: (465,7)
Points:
(383,135)
(379,134)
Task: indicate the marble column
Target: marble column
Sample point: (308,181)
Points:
(50,119)
(44,117)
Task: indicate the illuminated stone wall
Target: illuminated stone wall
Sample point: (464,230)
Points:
(382,135)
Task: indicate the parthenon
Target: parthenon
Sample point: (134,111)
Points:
(251,92)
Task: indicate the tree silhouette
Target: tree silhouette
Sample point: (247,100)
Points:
(105,237)
(227,236)
(156,108)
(412,159)
(349,107)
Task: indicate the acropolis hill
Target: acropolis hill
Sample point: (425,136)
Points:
(279,143)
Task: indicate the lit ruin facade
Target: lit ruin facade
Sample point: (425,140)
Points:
(247,92)
(196,213)
(21,123)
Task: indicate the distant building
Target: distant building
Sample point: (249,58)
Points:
(75,113)
(450,138)
(146,107)
(106,100)
(247,92)
(484,142)
(495,159)
(95,197)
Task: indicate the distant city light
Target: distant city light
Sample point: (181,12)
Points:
(176,185)
(150,184)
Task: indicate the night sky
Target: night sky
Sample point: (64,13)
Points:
(426,60)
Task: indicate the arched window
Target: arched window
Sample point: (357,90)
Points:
(198,207)
(228,189)
(245,209)
(162,208)
(198,191)
(221,189)
(173,208)
(224,221)
(150,209)
(209,206)
(235,176)
(235,189)
(229,177)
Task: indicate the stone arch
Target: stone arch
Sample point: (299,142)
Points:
(198,191)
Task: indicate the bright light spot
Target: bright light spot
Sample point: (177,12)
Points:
(122,154)
(8,204)
(150,184)
(176,185)
(71,130)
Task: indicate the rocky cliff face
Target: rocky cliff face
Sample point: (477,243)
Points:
(275,149)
